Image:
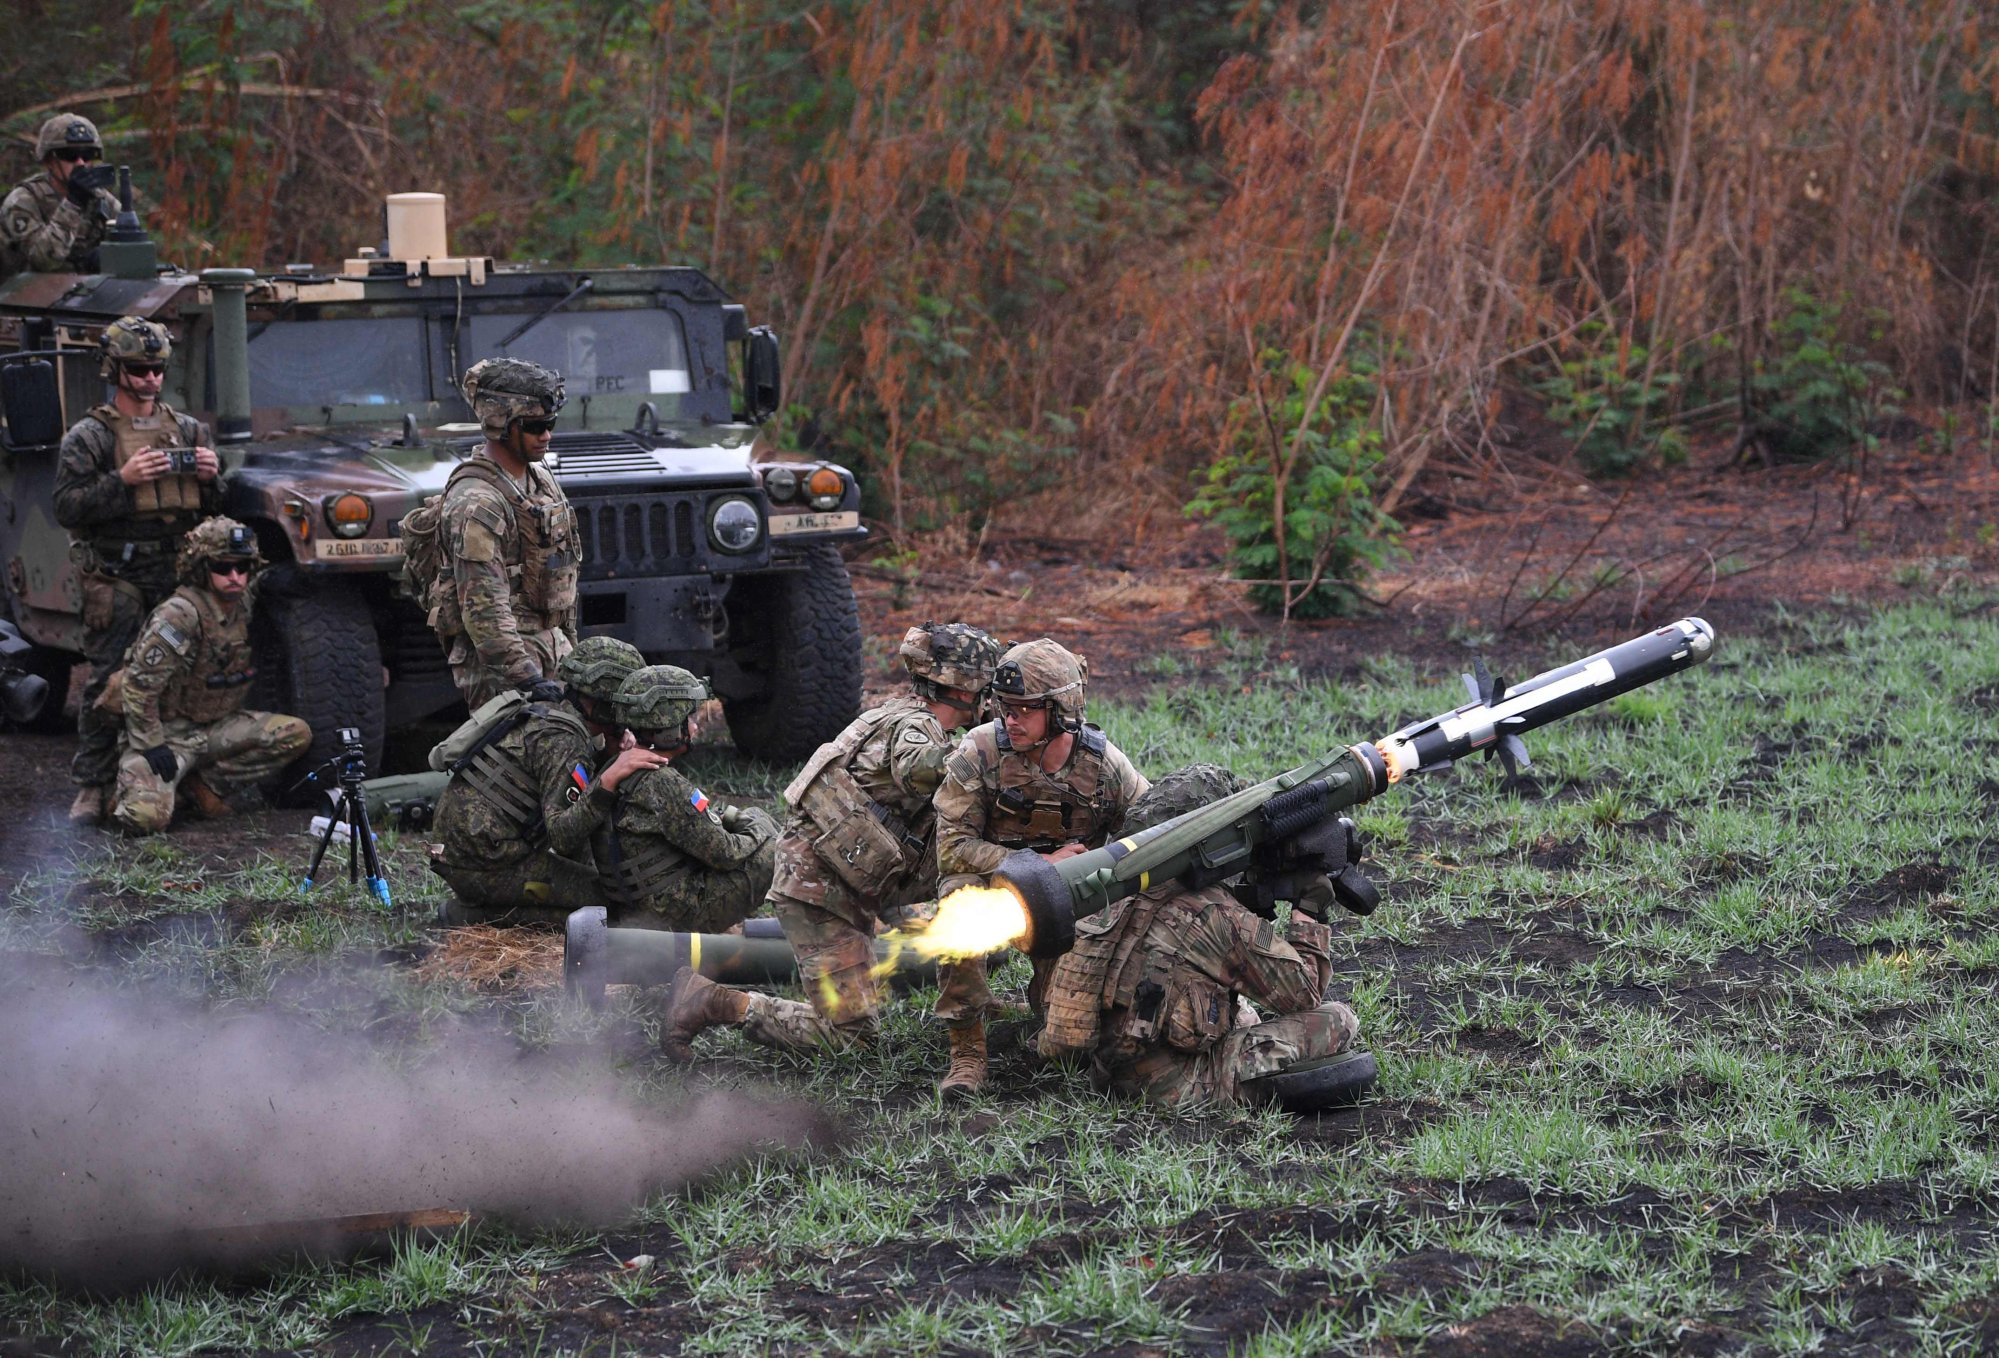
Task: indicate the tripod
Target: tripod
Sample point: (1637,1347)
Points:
(350,770)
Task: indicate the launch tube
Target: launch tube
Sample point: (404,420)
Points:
(1220,840)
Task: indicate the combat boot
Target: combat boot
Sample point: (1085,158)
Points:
(697,1005)
(208,803)
(90,807)
(967,1075)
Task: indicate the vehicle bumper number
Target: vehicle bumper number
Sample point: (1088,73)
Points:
(781,524)
(358,549)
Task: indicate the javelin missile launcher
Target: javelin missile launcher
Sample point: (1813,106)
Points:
(1241,832)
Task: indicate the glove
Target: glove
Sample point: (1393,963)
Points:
(86,180)
(541,690)
(162,761)
(748,820)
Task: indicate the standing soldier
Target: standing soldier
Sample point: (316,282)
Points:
(183,688)
(1038,778)
(667,860)
(507,600)
(54,222)
(517,816)
(859,843)
(132,477)
(1150,993)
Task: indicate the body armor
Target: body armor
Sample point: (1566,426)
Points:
(638,868)
(495,773)
(1133,994)
(1033,811)
(866,842)
(218,676)
(167,499)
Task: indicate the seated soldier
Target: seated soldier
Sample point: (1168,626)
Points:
(515,820)
(858,845)
(183,686)
(666,859)
(1151,992)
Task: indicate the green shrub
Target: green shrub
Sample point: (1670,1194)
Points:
(1816,394)
(1604,400)
(1333,530)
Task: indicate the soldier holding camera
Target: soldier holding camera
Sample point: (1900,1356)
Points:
(55,221)
(182,690)
(132,476)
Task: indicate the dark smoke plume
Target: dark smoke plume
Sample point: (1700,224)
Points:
(139,1135)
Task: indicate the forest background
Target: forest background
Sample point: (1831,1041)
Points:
(1046,262)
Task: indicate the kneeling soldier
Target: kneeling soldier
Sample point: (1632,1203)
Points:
(859,843)
(1150,992)
(183,686)
(667,861)
(516,818)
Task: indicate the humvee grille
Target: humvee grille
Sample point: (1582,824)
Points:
(636,535)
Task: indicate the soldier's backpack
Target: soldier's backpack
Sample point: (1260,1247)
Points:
(492,720)
(426,573)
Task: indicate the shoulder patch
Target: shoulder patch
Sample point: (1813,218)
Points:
(915,735)
(173,636)
(153,656)
(698,799)
(962,767)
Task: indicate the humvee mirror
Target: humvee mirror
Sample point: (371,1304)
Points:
(31,403)
(761,375)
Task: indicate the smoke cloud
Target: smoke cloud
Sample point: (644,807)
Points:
(144,1134)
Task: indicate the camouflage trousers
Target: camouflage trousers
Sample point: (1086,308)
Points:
(1217,1074)
(123,606)
(704,900)
(480,682)
(539,881)
(231,754)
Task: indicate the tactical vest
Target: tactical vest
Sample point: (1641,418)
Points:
(866,844)
(638,869)
(217,680)
(551,549)
(1121,969)
(1032,810)
(170,498)
(496,772)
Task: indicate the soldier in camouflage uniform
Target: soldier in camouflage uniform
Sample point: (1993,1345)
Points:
(126,501)
(183,686)
(666,858)
(1037,778)
(859,844)
(516,818)
(1151,992)
(54,222)
(507,615)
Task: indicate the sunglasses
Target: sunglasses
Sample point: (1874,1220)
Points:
(145,369)
(536,427)
(1024,704)
(72,154)
(241,568)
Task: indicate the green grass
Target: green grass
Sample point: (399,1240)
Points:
(1696,1040)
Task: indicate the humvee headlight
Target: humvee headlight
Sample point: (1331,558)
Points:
(734,524)
(825,486)
(780,483)
(348,516)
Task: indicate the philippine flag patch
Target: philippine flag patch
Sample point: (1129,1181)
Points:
(580,778)
(699,800)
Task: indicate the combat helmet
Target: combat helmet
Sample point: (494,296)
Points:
(67,131)
(597,666)
(502,390)
(215,539)
(1042,671)
(1183,790)
(948,655)
(657,698)
(132,339)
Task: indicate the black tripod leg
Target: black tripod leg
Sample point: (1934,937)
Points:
(319,851)
(378,881)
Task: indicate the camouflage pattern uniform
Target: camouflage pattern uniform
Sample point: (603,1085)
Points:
(1151,991)
(667,859)
(123,540)
(41,227)
(995,799)
(512,549)
(183,687)
(516,819)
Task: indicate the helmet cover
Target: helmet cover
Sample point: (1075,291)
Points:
(658,698)
(1183,790)
(67,130)
(132,339)
(1042,671)
(597,666)
(948,655)
(502,390)
(215,539)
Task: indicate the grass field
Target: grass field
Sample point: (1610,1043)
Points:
(1687,1045)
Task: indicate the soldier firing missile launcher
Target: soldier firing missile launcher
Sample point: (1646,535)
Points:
(1035,903)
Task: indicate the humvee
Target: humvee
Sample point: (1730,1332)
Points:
(335,404)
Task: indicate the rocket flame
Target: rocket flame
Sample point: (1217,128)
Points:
(970,922)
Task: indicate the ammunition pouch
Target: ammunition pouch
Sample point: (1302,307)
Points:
(866,845)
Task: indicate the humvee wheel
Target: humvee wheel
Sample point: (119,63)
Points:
(54,667)
(800,632)
(318,659)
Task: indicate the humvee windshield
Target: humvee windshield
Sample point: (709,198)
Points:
(361,361)
(600,353)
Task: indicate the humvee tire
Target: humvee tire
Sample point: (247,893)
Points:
(807,651)
(318,659)
(54,667)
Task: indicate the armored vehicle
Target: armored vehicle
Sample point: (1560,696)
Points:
(333,395)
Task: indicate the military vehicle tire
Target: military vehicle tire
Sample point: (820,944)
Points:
(800,632)
(53,666)
(318,659)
